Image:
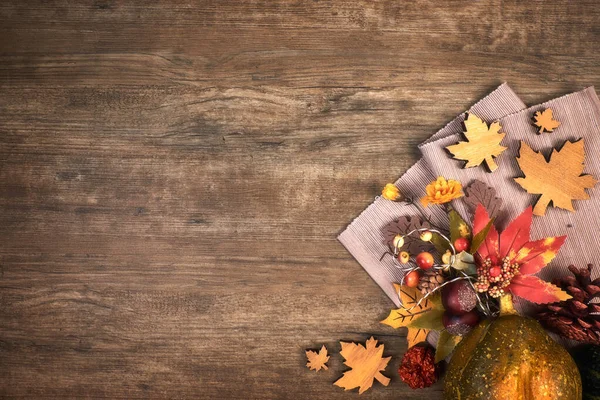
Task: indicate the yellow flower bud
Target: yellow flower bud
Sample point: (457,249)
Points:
(447,257)
(398,241)
(426,236)
(391,192)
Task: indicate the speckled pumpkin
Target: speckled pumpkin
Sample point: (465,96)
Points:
(511,358)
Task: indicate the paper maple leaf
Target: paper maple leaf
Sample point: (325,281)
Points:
(514,245)
(403,316)
(316,361)
(544,121)
(367,363)
(558,180)
(482,145)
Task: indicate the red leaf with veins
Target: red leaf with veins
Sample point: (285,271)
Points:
(536,255)
(517,258)
(517,233)
(489,247)
(537,291)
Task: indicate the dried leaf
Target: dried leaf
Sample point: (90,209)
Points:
(544,120)
(558,180)
(367,363)
(445,345)
(480,193)
(403,225)
(316,361)
(482,145)
(402,316)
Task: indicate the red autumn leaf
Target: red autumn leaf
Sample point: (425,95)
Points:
(517,233)
(490,245)
(506,262)
(537,291)
(534,256)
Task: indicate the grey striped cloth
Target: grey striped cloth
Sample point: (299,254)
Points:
(579,114)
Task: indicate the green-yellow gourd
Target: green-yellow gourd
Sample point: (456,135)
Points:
(511,358)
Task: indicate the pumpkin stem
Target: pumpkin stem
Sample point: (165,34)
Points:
(506,305)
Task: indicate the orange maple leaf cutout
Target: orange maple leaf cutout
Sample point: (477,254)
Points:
(544,120)
(482,145)
(403,316)
(558,180)
(367,363)
(317,361)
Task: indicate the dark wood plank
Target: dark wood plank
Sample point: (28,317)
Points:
(173,175)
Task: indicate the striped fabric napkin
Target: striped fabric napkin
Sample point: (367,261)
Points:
(579,115)
(364,239)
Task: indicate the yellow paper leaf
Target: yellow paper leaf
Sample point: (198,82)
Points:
(544,120)
(367,363)
(482,145)
(316,361)
(404,315)
(558,180)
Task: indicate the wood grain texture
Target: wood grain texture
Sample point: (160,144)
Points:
(173,175)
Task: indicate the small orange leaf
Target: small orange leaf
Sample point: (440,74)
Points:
(544,120)
(367,363)
(316,361)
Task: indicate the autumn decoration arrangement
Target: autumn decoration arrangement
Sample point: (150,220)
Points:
(485,256)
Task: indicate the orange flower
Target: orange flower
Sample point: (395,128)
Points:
(391,192)
(442,191)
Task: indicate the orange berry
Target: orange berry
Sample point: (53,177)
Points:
(412,279)
(424,260)
(495,271)
(461,244)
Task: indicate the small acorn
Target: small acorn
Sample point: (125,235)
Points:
(460,325)
(459,297)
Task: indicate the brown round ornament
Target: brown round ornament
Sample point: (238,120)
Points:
(511,358)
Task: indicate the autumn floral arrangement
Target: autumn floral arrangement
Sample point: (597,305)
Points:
(461,276)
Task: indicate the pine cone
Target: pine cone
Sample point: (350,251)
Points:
(577,318)
(430,280)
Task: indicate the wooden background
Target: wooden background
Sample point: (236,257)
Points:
(173,175)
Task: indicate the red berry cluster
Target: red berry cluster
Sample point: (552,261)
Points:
(418,369)
(494,278)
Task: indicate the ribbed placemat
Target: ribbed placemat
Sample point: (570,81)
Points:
(579,115)
(364,236)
